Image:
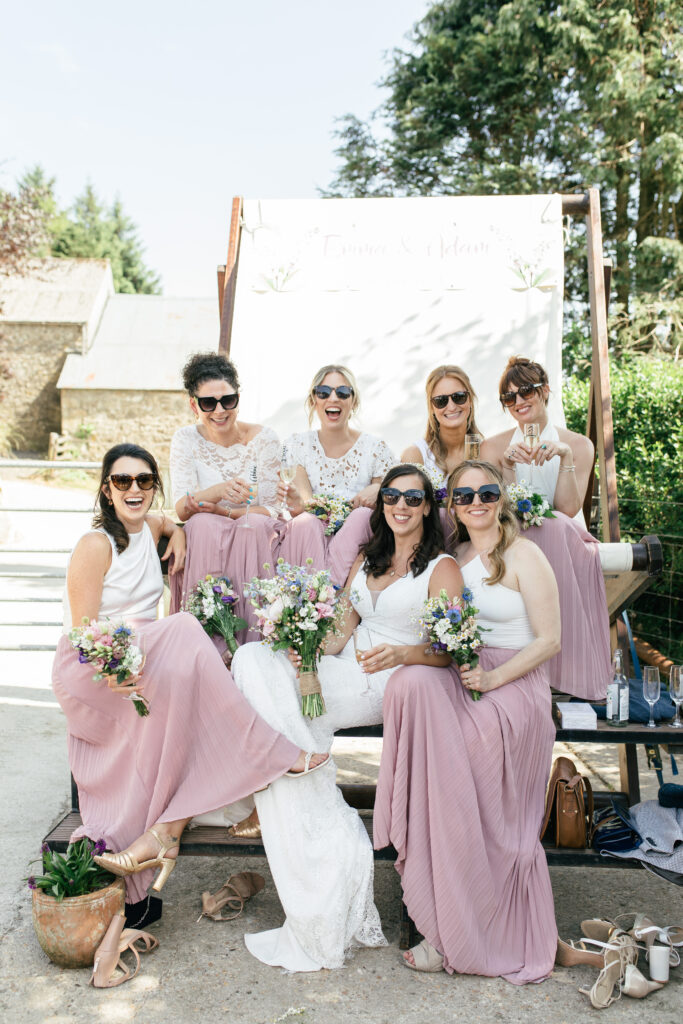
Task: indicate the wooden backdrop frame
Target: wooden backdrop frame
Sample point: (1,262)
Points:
(599,425)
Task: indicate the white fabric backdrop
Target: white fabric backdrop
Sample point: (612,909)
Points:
(393,288)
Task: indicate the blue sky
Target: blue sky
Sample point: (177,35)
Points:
(178,106)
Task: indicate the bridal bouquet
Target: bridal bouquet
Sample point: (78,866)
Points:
(530,508)
(451,626)
(298,609)
(212,601)
(110,647)
(332,509)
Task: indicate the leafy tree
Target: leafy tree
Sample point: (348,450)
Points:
(543,95)
(88,230)
(22,229)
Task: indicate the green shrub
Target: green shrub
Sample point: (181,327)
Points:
(647,409)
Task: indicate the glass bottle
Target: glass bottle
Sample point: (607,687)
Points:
(617,693)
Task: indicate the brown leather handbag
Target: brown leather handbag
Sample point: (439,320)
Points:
(568,806)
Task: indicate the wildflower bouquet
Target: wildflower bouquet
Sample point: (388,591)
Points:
(451,626)
(297,609)
(212,601)
(332,509)
(436,479)
(111,648)
(74,873)
(530,508)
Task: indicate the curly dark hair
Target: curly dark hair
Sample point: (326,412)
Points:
(203,366)
(105,516)
(380,548)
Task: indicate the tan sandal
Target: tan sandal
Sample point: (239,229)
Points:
(426,958)
(109,968)
(233,894)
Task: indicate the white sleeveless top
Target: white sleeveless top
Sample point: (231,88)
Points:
(369,457)
(133,582)
(542,479)
(501,609)
(392,614)
(436,473)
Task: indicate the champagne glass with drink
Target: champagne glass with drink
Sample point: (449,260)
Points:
(287,474)
(362,643)
(252,480)
(532,439)
(676,693)
(472,446)
(651,690)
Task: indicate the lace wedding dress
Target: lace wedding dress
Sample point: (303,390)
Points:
(317,846)
(369,457)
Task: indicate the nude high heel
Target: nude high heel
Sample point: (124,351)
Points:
(571,954)
(124,863)
(636,985)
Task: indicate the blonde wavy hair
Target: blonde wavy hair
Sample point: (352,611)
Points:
(507,521)
(319,377)
(432,436)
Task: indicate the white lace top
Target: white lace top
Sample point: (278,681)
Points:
(369,457)
(197,463)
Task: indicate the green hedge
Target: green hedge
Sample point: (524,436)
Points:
(647,408)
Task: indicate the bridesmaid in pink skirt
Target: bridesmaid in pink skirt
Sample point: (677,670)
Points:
(140,780)
(211,465)
(338,460)
(583,666)
(462,783)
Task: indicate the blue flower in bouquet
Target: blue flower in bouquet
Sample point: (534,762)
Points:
(454,615)
(467,595)
(524,505)
(440,494)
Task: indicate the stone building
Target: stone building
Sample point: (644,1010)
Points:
(80,360)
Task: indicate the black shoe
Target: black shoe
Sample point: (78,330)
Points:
(144,912)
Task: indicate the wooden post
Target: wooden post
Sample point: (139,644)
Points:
(601,407)
(590,419)
(227,304)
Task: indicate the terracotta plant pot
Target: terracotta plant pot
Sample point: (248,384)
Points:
(71,930)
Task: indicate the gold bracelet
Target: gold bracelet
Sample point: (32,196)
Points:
(567,469)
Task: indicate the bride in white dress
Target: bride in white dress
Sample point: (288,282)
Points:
(318,849)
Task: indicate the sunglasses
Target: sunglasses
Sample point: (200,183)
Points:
(324,391)
(488,494)
(124,481)
(413,498)
(208,404)
(458,398)
(524,391)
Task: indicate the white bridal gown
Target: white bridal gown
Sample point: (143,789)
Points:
(318,849)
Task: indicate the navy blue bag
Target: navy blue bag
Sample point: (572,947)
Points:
(613,830)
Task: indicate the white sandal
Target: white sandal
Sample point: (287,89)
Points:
(307,769)
(426,958)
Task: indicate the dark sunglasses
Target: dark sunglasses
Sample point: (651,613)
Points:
(488,493)
(324,391)
(124,481)
(208,404)
(458,398)
(413,498)
(524,391)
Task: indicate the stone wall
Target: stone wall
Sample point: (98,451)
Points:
(148,418)
(31,359)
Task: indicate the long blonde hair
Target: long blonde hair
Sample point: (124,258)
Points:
(507,521)
(319,377)
(432,436)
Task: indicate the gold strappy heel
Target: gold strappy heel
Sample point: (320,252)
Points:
(124,863)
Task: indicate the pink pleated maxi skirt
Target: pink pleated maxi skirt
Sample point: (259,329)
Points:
(201,747)
(460,796)
(583,667)
(217,545)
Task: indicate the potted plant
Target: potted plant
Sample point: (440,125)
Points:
(73,902)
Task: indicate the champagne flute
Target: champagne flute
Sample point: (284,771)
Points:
(472,443)
(362,643)
(532,438)
(287,474)
(651,690)
(676,693)
(252,480)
